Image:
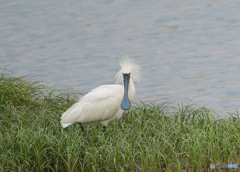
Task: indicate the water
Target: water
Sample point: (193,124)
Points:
(189,51)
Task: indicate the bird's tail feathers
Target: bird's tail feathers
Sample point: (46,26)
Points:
(64,125)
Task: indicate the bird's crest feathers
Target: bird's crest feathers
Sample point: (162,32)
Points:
(128,66)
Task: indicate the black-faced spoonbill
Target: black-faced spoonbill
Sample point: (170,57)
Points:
(107,102)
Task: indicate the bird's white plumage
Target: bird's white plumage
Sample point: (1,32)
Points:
(102,104)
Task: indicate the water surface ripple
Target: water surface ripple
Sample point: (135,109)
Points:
(188,51)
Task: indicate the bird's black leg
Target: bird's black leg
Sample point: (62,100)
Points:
(104,131)
(81,127)
(84,132)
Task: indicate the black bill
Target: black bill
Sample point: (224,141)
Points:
(125,102)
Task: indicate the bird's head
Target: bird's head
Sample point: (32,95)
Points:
(128,67)
(129,71)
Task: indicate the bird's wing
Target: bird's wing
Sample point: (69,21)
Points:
(100,104)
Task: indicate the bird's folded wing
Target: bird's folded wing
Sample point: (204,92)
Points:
(100,104)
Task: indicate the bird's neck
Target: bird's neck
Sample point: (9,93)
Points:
(131,91)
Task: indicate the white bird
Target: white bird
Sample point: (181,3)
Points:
(105,103)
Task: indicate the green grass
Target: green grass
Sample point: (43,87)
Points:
(147,138)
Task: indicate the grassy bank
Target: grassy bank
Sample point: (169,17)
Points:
(146,138)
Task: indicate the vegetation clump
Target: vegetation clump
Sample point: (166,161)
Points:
(147,138)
